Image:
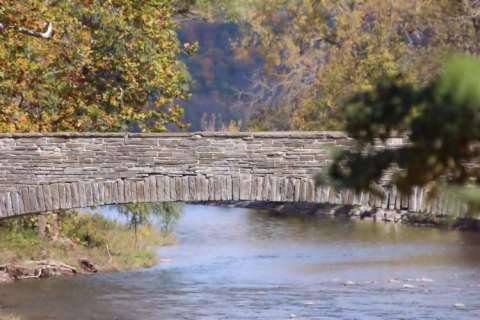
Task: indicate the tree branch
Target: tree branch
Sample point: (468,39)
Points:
(47,34)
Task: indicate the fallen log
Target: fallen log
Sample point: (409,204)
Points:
(35,270)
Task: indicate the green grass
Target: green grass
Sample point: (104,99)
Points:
(109,245)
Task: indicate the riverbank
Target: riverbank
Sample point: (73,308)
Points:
(364,213)
(85,243)
(9,317)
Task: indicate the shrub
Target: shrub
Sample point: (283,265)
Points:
(89,230)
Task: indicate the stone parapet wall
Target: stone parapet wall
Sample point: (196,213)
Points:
(33,159)
(48,172)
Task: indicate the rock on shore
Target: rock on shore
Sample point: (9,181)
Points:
(41,269)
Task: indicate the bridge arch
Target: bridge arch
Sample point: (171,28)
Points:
(48,172)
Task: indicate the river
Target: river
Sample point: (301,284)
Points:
(232,263)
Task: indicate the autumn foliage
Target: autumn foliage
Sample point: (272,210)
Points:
(319,53)
(104,65)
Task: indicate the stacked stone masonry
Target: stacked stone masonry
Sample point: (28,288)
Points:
(49,172)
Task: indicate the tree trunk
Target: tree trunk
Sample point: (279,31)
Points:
(135,227)
(476,25)
(42,225)
(55,227)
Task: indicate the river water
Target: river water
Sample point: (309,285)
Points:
(232,263)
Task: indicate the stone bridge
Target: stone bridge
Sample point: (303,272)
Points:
(49,172)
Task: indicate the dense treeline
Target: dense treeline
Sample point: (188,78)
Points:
(271,65)
(319,53)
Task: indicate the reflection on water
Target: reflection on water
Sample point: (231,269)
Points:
(243,264)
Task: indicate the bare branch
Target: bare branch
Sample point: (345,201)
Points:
(47,34)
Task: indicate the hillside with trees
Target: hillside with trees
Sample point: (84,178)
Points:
(315,55)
